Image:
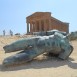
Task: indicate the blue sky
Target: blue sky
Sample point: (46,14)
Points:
(13,13)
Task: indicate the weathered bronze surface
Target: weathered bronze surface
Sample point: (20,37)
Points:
(56,43)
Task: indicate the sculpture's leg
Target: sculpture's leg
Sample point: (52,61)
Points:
(24,56)
(66,53)
(20,45)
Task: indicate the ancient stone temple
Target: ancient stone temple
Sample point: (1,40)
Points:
(43,21)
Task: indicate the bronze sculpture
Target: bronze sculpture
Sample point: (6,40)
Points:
(56,43)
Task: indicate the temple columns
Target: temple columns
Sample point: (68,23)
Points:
(40,25)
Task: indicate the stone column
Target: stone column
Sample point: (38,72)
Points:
(52,26)
(27,27)
(40,26)
(67,27)
(35,26)
(44,25)
(49,24)
(30,27)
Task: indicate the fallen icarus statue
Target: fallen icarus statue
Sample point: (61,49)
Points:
(34,46)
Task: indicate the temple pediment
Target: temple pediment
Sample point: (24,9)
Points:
(38,15)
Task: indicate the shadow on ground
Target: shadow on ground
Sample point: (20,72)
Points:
(38,64)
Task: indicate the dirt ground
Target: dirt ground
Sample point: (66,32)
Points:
(41,66)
